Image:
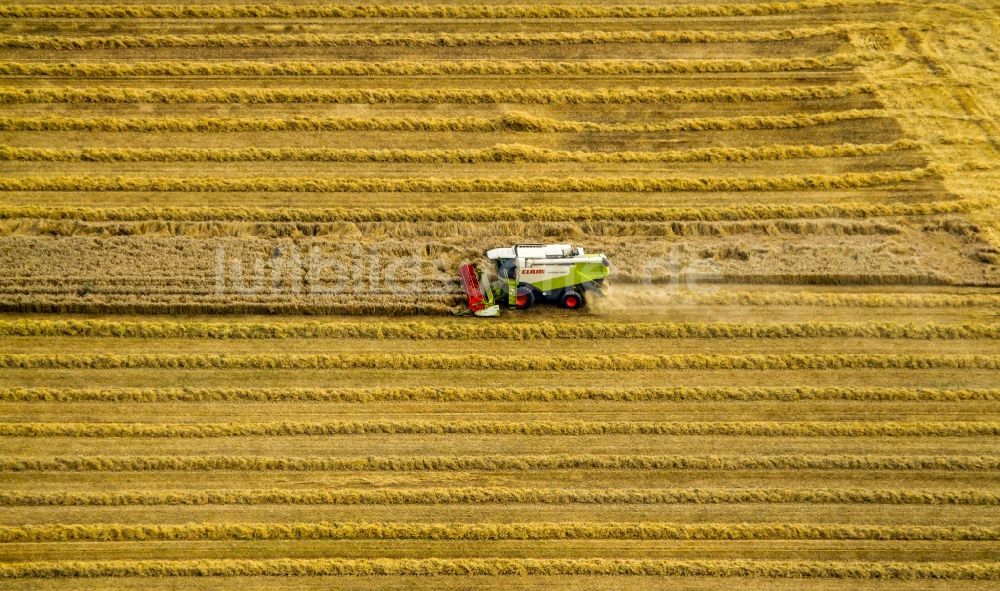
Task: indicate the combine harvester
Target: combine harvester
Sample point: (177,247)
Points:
(529,273)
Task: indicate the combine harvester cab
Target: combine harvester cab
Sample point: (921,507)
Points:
(531,273)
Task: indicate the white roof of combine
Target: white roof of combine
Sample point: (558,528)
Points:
(535,251)
(500,253)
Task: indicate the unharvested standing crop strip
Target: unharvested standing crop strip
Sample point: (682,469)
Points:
(485,427)
(824,182)
(59,42)
(502,566)
(499,463)
(446,305)
(184,304)
(470,96)
(499,153)
(398,231)
(115,532)
(503,496)
(496,214)
(512,121)
(427,68)
(526,394)
(619,362)
(437,11)
(834,299)
(464,331)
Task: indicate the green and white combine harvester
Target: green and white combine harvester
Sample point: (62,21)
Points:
(531,273)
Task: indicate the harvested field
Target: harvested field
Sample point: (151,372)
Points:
(229,236)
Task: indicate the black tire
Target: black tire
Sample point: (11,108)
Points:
(571,300)
(525,297)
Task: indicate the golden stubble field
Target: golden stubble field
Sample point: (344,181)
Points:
(228,245)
